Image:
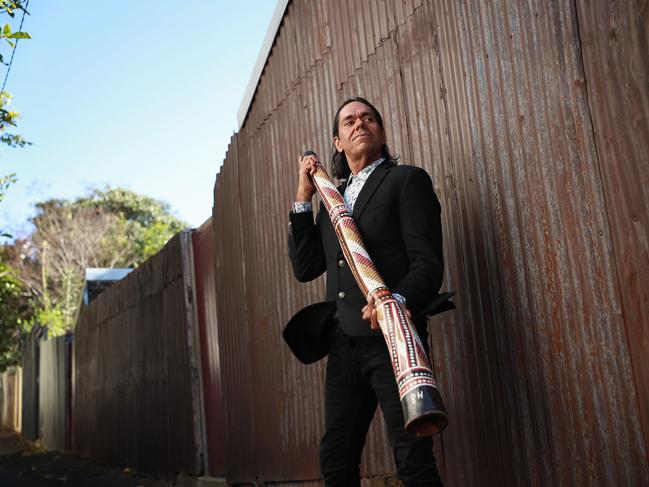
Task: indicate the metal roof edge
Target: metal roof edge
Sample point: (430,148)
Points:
(107,273)
(266,47)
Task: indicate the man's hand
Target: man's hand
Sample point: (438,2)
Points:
(305,187)
(369,313)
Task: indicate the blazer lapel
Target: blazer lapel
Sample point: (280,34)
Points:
(370,186)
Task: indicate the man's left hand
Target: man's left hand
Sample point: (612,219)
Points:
(369,313)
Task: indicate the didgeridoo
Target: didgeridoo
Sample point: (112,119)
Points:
(423,408)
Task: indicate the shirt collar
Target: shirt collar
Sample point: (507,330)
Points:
(365,172)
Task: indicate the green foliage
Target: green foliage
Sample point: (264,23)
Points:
(43,275)
(5,182)
(145,224)
(13,317)
(14,311)
(109,227)
(10,6)
(53,316)
(131,206)
(6,34)
(9,118)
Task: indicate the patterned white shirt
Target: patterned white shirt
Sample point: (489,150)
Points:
(354,186)
(356,183)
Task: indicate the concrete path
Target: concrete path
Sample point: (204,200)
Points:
(23,465)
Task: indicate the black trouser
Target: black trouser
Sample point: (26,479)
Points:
(359,373)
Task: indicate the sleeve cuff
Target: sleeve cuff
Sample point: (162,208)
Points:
(302,206)
(399,298)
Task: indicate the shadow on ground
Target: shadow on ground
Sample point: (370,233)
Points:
(24,465)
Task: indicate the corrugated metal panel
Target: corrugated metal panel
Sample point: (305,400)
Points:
(490,98)
(551,332)
(54,392)
(136,380)
(231,311)
(204,269)
(615,48)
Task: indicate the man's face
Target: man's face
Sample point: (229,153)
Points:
(359,132)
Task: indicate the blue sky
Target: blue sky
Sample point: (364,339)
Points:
(137,94)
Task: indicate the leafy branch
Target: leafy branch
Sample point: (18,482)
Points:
(5,182)
(10,7)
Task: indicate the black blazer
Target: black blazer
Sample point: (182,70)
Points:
(398,216)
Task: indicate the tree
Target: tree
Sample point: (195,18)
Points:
(109,227)
(67,239)
(14,315)
(146,223)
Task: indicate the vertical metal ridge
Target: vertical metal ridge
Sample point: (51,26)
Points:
(206,311)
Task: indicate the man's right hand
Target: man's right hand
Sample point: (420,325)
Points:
(305,187)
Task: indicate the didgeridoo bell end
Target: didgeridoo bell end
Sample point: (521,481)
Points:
(424,413)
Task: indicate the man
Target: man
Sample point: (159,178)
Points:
(398,216)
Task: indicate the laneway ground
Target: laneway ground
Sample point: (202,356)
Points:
(23,465)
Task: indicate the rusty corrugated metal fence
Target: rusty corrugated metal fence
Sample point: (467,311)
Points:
(137,399)
(532,119)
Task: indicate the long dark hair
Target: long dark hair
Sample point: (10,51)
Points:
(339,166)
